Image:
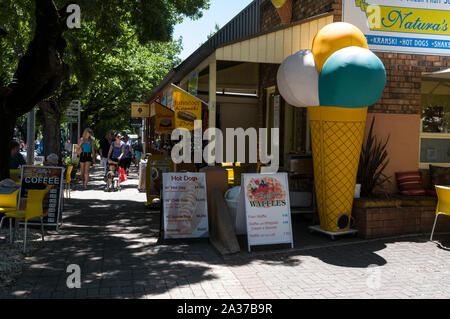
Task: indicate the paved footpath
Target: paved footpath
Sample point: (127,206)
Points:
(112,238)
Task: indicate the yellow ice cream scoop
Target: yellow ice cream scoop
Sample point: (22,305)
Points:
(278,3)
(334,37)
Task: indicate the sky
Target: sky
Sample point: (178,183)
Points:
(195,33)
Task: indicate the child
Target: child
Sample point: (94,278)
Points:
(112,177)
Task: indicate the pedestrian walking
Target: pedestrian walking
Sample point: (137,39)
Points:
(86,150)
(128,154)
(138,149)
(105,144)
(116,149)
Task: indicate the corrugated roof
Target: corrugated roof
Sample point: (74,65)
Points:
(244,25)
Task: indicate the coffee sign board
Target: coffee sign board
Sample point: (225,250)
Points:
(42,177)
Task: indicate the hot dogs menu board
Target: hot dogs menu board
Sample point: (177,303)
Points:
(185,205)
(267,209)
(187,109)
(41,177)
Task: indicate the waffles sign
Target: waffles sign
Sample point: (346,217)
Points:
(265,192)
(264,200)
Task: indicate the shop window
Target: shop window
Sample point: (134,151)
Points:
(435,124)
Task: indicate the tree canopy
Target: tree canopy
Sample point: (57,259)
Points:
(118,55)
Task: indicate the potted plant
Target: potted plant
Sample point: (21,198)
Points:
(371,176)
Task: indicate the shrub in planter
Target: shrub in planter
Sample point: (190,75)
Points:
(372,163)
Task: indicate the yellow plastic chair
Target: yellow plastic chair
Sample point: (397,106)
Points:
(33,210)
(15,174)
(67,180)
(8,202)
(443,206)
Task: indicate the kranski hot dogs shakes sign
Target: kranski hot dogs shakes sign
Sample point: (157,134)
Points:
(409,26)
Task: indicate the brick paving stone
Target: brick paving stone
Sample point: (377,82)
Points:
(112,237)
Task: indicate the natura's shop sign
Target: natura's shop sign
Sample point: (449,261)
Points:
(409,26)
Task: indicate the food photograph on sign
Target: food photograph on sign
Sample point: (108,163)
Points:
(266,192)
(185,206)
(164,118)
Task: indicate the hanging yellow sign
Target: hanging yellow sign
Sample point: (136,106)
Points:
(140,110)
(187,109)
(164,118)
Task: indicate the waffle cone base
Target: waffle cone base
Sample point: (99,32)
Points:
(337,136)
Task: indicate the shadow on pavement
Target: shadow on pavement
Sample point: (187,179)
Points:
(115,244)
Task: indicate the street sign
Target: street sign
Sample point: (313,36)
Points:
(75,104)
(136,122)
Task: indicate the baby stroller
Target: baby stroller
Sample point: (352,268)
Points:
(112,179)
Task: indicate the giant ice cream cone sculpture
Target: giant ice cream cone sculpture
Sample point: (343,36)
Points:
(338,79)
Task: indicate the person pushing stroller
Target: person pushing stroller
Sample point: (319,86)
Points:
(115,155)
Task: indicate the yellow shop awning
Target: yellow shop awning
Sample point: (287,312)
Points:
(274,47)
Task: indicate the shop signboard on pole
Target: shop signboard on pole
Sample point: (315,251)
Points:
(164,118)
(140,110)
(187,108)
(41,177)
(264,200)
(415,27)
(185,205)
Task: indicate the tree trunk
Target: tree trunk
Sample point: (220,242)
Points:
(50,117)
(39,73)
(6,132)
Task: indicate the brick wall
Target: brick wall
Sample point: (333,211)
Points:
(392,221)
(404,76)
(404,81)
(302,9)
